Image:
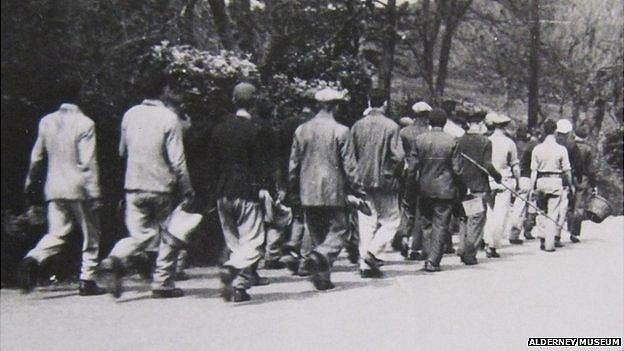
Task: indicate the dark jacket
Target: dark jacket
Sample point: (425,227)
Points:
(587,169)
(479,148)
(437,165)
(573,153)
(524,154)
(378,152)
(242,160)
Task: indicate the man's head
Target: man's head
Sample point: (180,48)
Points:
(549,126)
(437,118)
(154,86)
(522,133)
(377,99)
(582,132)
(564,127)
(244,95)
(329,99)
(421,109)
(497,120)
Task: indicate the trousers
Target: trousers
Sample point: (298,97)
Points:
(518,211)
(328,230)
(435,217)
(63,216)
(146,217)
(498,215)
(410,225)
(581,201)
(379,228)
(243,230)
(471,231)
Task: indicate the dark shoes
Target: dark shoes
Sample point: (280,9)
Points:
(575,239)
(542,244)
(491,253)
(181,276)
(404,247)
(558,244)
(315,264)
(353,255)
(167,293)
(240,295)
(112,272)
(516,241)
(430,267)
(415,256)
(227,275)
(528,236)
(257,280)
(323,284)
(273,264)
(469,261)
(27,274)
(90,288)
(370,273)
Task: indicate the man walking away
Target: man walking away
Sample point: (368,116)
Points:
(437,174)
(565,138)
(410,229)
(322,173)
(66,138)
(379,164)
(156,179)
(505,159)
(549,164)
(478,147)
(243,170)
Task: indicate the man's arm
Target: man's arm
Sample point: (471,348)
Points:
(87,162)
(177,159)
(514,162)
(37,157)
(397,154)
(294,169)
(487,163)
(349,162)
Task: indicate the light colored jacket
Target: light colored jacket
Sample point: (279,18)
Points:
(151,139)
(322,166)
(378,151)
(66,138)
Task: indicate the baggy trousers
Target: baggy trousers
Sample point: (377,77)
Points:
(243,230)
(519,210)
(435,218)
(410,225)
(471,231)
(328,230)
(546,229)
(498,215)
(63,215)
(146,217)
(581,201)
(379,228)
(564,209)
(299,237)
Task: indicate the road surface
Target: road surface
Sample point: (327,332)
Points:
(577,291)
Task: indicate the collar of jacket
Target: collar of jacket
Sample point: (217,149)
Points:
(551,139)
(324,115)
(150,102)
(437,129)
(67,107)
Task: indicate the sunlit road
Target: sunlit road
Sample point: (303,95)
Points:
(496,305)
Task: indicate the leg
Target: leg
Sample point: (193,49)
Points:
(439,227)
(90,227)
(274,242)
(367,228)
(474,235)
(60,226)
(389,219)
(250,228)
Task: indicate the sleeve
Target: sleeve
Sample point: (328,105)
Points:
(457,161)
(123,145)
(565,160)
(353,135)
(397,154)
(177,158)
(294,169)
(534,161)
(37,158)
(487,160)
(87,162)
(513,154)
(349,162)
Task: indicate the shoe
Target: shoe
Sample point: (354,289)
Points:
(181,276)
(167,293)
(430,267)
(27,274)
(516,241)
(240,295)
(227,275)
(469,261)
(491,253)
(90,288)
(302,272)
(323,284)
(273,264)
(415,256)
(315,263)
(112,271)
(575,239)
(370,273)
(528,236)
(257,280)
(549,250)
(353,255)
(372,261)
(558,244)
(143,265)
(291,263)
(542,244)
(404,247)
(449,250)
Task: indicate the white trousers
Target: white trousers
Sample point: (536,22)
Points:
(379,228)
(63,215)
(498,216)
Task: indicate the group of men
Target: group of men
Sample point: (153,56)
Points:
(299,196)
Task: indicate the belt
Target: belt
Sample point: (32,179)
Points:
(548,175)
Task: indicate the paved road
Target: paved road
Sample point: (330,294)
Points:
(577,291)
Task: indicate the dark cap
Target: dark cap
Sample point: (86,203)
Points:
(437,117)
(582,131)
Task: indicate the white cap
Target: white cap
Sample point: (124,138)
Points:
(406,121)
(329,94)
(496,118)
(421,106)
(564,126)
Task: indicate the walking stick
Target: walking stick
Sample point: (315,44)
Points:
(539,211)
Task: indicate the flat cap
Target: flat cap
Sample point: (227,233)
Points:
(329,94)
(496,118)
(406,121)
(420,107)
(564,126)
(243,91)
(437,116)
(582,131)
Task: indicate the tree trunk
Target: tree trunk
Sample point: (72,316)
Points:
(534,65)
(222,23)
(599,115)
(445,52)
(388,45)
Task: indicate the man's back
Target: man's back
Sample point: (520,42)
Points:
(410,133)
(322,155)
(152,141)
(377,150)
(67,139)
(504,153)
(439,163)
